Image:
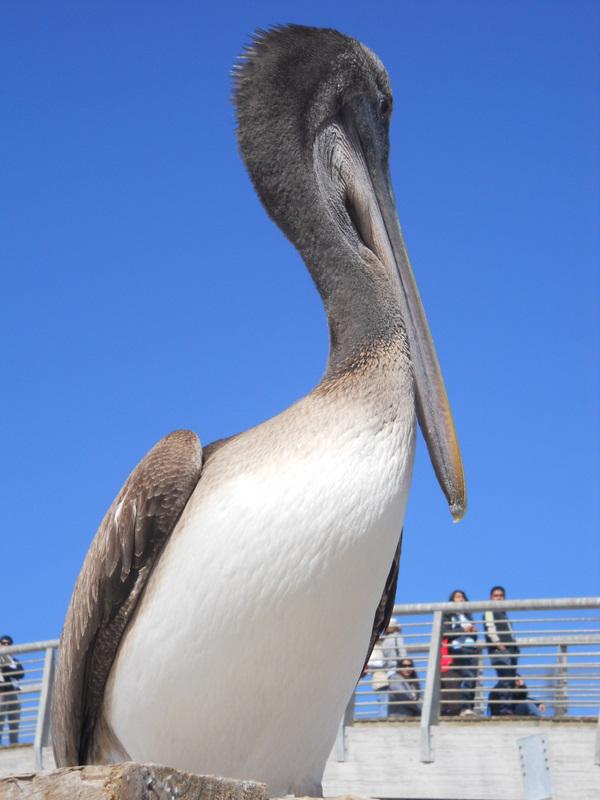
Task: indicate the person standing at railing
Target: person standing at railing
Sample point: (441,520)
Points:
(501,645)
(460,631)
(11,671)
(384,660)
(376,668)
(393,646)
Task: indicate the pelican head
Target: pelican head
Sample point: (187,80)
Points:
(314,110)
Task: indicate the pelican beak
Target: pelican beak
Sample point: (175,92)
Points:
(376,217)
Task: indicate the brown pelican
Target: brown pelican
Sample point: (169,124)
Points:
(225,608)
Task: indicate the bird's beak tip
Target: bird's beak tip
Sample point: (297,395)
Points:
(458,510)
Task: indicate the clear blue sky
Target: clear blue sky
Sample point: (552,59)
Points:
(144,288)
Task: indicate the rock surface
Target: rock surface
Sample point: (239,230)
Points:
(127,781)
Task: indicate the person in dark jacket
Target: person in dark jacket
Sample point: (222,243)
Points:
(523,704)
(510,697)
(501,646)
(451,695)
(500,699)
(460,631)
(11,671)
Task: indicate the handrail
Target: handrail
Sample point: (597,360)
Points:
(549,603)
(569,658)
(29,647)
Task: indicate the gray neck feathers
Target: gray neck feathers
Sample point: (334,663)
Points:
(277,86)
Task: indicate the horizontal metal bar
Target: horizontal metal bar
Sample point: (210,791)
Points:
(30,647)
(443,689)
(499,605)
(489,681)
(553,641)
(516,623)
(520,632)
(571,657)
(539,641)
(570,665)
(546,620)
(359,705)
(31,686)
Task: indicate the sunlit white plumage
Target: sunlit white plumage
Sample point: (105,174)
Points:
(261,607)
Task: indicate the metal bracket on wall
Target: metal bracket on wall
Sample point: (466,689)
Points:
(535,767)
(430,713)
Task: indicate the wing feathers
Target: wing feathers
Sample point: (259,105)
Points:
(124,550)
(386,604)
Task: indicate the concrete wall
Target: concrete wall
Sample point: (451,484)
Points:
(475,760)
(19,758)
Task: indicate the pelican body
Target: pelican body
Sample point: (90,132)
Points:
(231,596)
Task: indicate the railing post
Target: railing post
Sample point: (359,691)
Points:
(42,729)
(347,721)
(430,713)
(479,701)
(560,692)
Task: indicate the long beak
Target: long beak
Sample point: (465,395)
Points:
(380,228)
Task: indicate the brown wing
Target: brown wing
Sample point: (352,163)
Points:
(386,604)
(114,573)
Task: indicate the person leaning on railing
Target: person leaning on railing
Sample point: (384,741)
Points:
(11,671)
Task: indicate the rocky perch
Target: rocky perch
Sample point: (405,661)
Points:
(127,781)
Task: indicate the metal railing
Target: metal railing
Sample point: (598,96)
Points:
(559,642)
(25,714)
(558,660)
